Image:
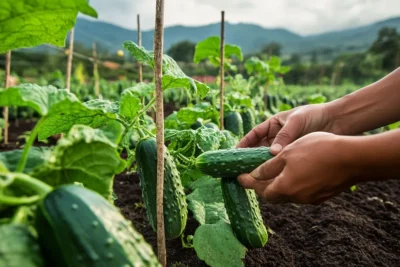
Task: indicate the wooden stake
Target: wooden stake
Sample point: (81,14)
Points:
(222,72)
(6,85)
(139,39)
(158,54)
(95,71)
(69,62)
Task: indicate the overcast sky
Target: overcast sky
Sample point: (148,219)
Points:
(300,16)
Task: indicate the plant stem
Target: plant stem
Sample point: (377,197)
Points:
(34,184)
(15,201)
(28,145)
(20,215)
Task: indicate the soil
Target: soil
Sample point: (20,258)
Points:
(17,129)
(360,228)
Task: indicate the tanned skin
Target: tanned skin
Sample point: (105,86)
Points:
(317,152)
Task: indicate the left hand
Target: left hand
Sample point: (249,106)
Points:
(308,171)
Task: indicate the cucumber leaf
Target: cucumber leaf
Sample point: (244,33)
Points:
(189,115)
(36,157)
(210,49)
(217,245)
(129,105)
(26,23)
(85,156)
(206,201)
(60,110)
(173,76)
(142,89)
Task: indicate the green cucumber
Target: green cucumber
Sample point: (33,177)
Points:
(244,214)
(18,247)
(249,121)
(233,122)
(230,140)
(212,125)
(232,162)
(78,227)
(175,207)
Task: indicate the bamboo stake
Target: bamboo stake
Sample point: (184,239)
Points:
(6,85)
(158,54)
(95,71)
(222,72)
(69,62)
(139,37)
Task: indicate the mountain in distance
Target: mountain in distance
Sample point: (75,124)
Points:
(250,37)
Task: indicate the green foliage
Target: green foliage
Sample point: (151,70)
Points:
(206,201)
(316,99)
(217,245)
(36,157)
(210,48)
(86,156)
(173,76)
(182,51)
(60,109)
(26,23)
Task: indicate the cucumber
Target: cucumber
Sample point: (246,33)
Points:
(175,207)
(78,227)
(212,125)
(244,214)
(249,121)
(233,122)
(232,162)
(229,142)
(18,247)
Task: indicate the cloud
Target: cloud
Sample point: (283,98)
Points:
(303,17)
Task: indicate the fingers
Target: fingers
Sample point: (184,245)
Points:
(255,135)
(290,131)
(269,169)
(249,182)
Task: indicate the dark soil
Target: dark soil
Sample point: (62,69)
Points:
(360,228)
(15,132)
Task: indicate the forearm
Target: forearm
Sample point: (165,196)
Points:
(373,157)
(371,107)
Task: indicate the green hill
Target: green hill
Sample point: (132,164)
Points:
(249,36)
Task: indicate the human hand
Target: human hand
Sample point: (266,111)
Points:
(308,171)
(285,127)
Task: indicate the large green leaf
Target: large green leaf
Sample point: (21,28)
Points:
(173,76)
(86,156)
(217,245)
(142,89)
(36,158)
(206,201)
(210,49)
(189,115)
(60,109)
(129,105)
(256,65)
(28,23)
(39,98)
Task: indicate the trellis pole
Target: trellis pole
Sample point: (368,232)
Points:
(222,72)
(6,85)
(69,62)
(158,54)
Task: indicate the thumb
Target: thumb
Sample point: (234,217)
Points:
(290,131)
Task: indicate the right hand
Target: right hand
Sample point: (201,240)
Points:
(285,127)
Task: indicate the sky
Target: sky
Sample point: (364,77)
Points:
(303,17)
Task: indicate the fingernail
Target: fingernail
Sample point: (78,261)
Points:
(276,147)
(255,174)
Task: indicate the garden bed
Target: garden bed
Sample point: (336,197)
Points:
(360,228)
